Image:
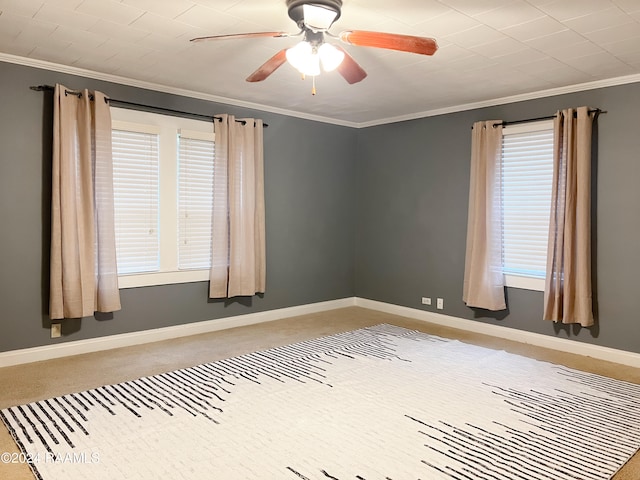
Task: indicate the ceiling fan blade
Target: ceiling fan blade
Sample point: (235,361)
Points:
(350,69)
(241,35)
(268,67)
(391,41)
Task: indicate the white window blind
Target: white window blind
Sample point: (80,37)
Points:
(527,174)
(136,195)
(163,171)
(195,199)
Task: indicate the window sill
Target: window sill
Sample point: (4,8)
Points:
(526,283)
(162,278)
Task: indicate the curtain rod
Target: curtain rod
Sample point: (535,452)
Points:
(116,102)
(597,111)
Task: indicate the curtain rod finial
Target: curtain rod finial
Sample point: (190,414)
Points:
(41,88)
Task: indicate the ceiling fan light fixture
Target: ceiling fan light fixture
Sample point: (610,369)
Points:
(304,58)
(330,57)
(313,55)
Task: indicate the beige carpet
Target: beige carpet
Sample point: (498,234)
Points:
(23,384)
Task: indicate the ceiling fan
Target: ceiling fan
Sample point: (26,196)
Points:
(314,18)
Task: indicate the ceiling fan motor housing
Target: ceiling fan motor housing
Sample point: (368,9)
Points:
(296,9)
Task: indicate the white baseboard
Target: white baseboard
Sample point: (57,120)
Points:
(561,344)
(48,352)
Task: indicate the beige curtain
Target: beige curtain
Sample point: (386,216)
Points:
(84,277)
(238,250)
(483,278)
(567,296)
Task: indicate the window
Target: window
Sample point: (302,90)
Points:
(527,175)
(195,200)
(136,198)
(163,192)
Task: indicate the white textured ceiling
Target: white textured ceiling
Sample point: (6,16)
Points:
(489,49)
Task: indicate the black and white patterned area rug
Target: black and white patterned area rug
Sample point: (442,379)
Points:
(381,403)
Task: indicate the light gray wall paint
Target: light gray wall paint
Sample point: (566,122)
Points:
(310,201)
(412,199)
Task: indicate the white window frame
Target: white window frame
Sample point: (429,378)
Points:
(168,127)
(514,280)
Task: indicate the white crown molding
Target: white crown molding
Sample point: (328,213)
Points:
(107,77)
(30,62)
(546,341)
(580,87)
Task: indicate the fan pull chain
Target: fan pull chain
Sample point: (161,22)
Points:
(313,83)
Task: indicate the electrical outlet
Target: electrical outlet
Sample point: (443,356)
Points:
(56,330)
(426,300)
(440,303)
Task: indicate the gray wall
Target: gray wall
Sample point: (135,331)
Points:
(412,193)
(310,201)
(378,212)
